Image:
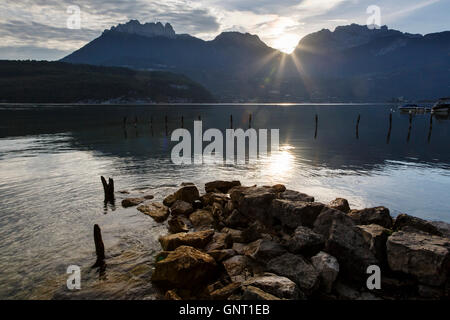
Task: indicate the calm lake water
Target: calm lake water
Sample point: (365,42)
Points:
(51,160)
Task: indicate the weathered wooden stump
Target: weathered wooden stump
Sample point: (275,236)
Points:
(249,120)
(231,121)
(99,247)
(108,189)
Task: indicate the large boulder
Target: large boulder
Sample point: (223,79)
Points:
(422,255)
(292,214)
(328,268)
(236,220)
(221,186)
(296,268)
(188,193)
(238,268)
(306,241)
(236,235)
(222,254)
(442,227)
(209,198)
(193,239)
(263,250)
(278,286)
(327,217)
(254,293)
(157,211)
(225,292)
(409,223)
(376,237)
(186,267)
(377,215)
(201,218)
(220,240)
(180,207)
(177,225)
(254,202)
(295,196)
(340,204)
(345,241)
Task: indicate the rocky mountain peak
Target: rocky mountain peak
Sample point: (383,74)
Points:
(147,29)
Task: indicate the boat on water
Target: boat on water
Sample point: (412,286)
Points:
(412,108)
(442,106)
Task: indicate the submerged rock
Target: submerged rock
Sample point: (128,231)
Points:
(422,255)
(340,204)
(132,202)
(378,215)
(157,211)
(186,267)
(193,239)
(221,186)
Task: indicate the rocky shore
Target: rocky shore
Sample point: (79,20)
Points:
(269,243)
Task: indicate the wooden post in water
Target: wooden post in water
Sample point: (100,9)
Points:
(388,139)
(99,247)
(151,124)
(249,120)
(317,122)
(199,118)
(357,126)
(410,126)
(231,121)
(431,128)
(135,121)
(124,122)
(182,122)
(108,189)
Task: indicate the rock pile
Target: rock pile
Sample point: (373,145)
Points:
(237,242)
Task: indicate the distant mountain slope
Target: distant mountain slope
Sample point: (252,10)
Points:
(57,82)
(352,63)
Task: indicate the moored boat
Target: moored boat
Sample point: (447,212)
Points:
(442,106)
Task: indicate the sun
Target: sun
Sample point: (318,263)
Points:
(286,42)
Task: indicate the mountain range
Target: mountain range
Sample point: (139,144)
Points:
(353,63)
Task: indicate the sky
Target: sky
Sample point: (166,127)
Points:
(38,29)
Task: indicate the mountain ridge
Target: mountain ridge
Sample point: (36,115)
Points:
(241,67)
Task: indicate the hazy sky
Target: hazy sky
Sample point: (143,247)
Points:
(37,29)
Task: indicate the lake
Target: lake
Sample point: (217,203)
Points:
(52,157)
